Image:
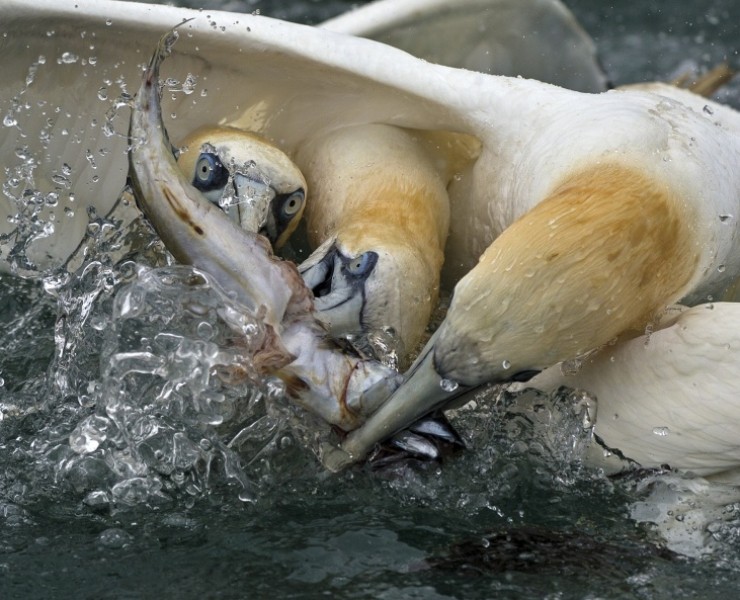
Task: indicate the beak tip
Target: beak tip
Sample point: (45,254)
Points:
(419,394)
(335,459)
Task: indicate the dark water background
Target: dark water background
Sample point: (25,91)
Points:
(292,531)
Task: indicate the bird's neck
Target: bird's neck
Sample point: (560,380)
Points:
(381,178)
(606,251)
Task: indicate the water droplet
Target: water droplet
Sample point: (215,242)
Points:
(708,109)
(275,389)
(97,498)
(86,401)
(721,268)
(109,22)
(449,385)
(506,364)
(661,431)
(205,330)
(98,322)
(61,180)
(188,86)
(10,120)
(246,496)
(725,218)
(67,58)
(286,442)
(103,93)
(114,538)
(91,159)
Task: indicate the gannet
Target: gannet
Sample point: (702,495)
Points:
(620,205)
(340,388)
(247,176)
(379,214)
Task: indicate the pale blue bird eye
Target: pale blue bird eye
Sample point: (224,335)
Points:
(363,264)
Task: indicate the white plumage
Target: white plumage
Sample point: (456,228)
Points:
(291,83)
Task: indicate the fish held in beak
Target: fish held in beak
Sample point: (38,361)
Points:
(422,390)
(340,388)
(193,229)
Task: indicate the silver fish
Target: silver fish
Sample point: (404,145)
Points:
(339,387)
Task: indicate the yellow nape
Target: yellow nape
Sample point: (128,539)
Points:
(604,253)
(384,189)
(399,205)
(379,175)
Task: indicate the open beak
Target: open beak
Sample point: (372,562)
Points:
(338,282)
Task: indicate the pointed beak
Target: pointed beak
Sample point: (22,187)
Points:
(422,391)
(252,206)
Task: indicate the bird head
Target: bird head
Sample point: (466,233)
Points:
(254,182)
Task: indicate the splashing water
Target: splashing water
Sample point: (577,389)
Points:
(176,408)
(152,396)
(132,424)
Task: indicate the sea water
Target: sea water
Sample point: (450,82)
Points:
(141,455)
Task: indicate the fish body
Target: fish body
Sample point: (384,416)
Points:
(341,388)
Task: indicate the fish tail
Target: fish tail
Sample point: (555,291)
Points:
(164,49)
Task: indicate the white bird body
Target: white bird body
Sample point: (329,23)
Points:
(543,136)
(687,157)
(601,231)
(671,397)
